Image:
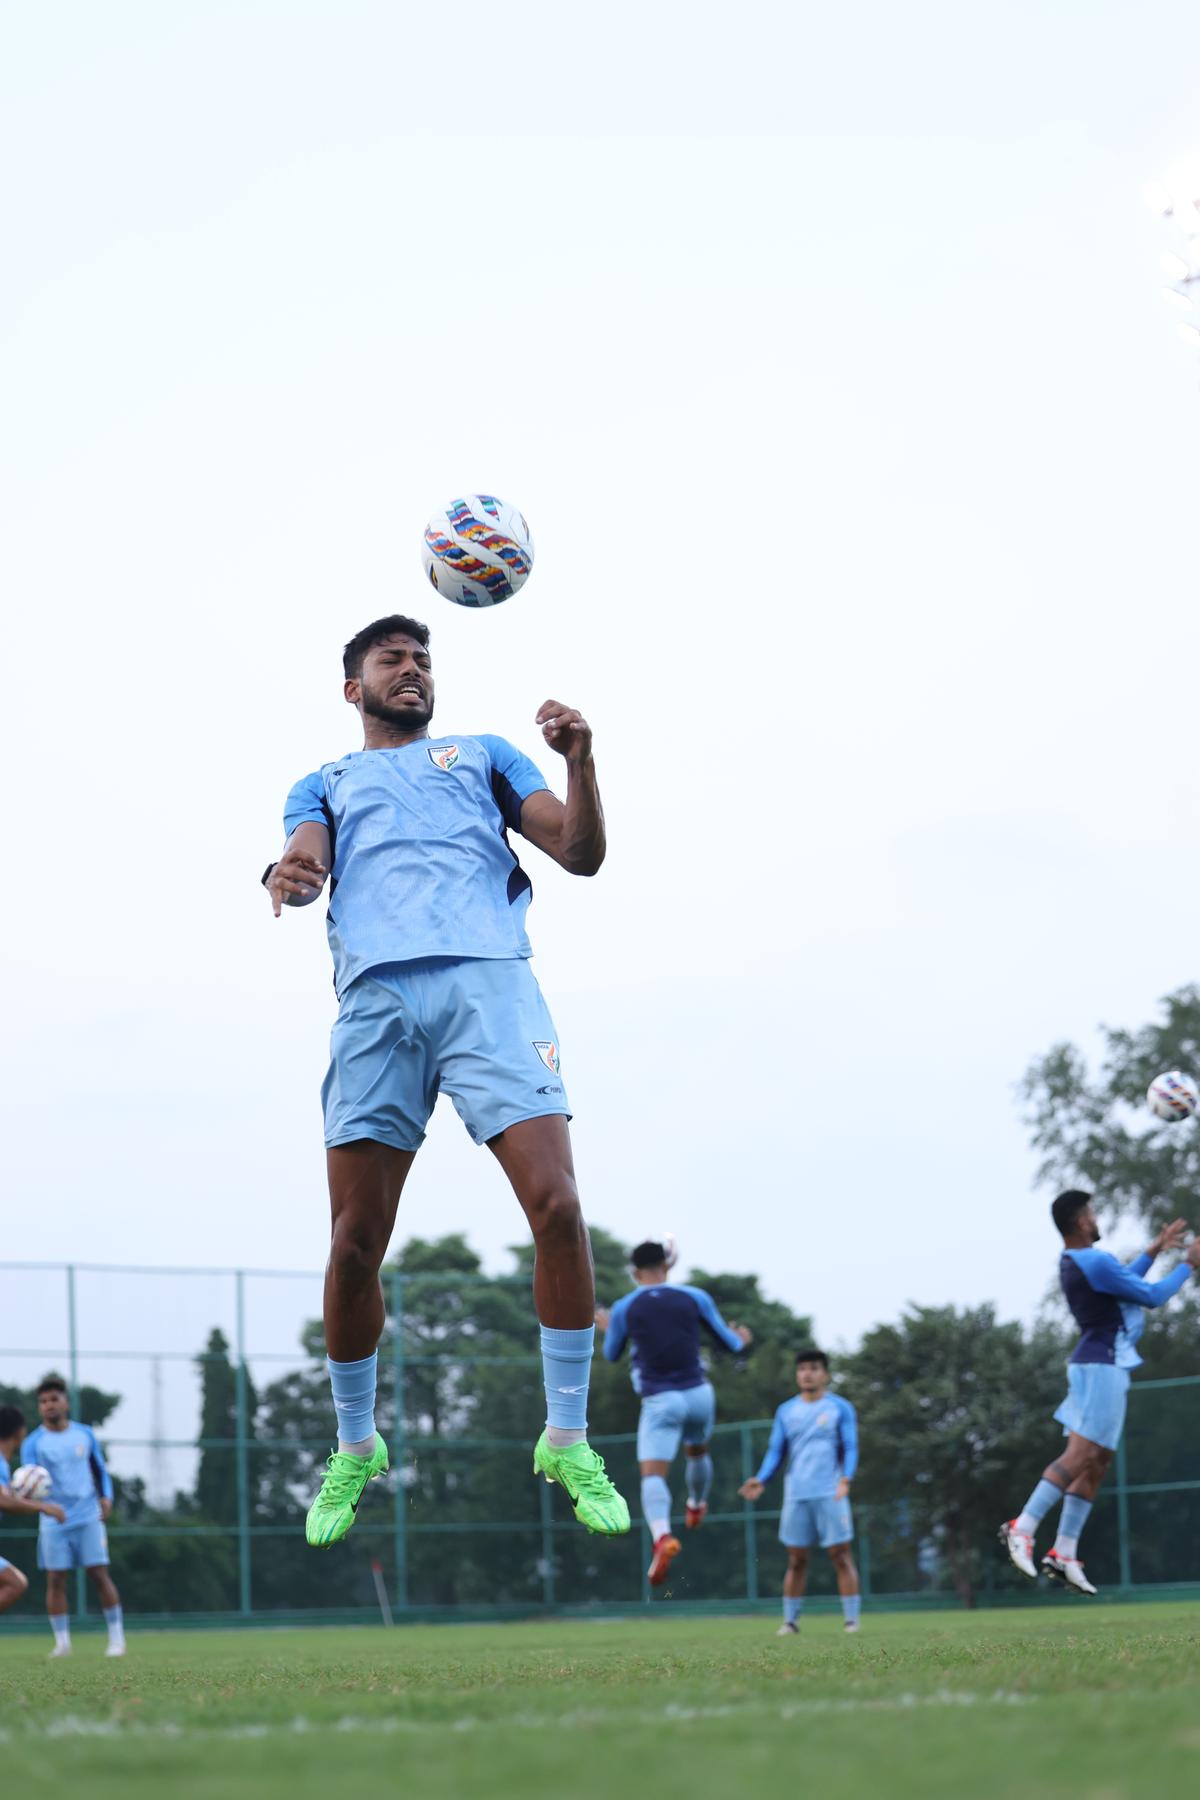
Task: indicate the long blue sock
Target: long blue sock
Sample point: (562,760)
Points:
(1044,1496)
(850,1606)
(699,1477)
(793,1606)
(354,1398)
(1071,1521)
(566,1371)
(656,1505)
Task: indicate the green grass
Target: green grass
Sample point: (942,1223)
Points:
(1095,1703)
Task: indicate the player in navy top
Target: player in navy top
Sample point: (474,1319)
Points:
(12,1434)
(662,1326)
(80,1481)
(1107,1301)
(816,1434)
(426,925)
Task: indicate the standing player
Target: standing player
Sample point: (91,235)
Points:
(81,1481)
(818,1433)
(426,924)
(663,1324)
(1108,1301)
(12,1431)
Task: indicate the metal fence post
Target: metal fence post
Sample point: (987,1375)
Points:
(73,1396)
(749,1536)
(400,1492)
(864,1552)
(243,1470)
(548,1595)
(1123,1553)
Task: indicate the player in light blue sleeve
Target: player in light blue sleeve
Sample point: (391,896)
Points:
(662,1325)
(816,1432)
(82,1486)
(1108,1301)
(426,927)
(12,1434)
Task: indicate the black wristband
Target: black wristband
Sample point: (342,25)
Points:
(267,873)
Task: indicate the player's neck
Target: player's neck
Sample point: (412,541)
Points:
(51,1426)
(812,1399)
(379,735)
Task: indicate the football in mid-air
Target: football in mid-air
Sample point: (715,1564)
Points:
(31,1482)
(478,551)
(1173,1097)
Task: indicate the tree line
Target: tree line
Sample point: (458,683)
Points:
(954,1404)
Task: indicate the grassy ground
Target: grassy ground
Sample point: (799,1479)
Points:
(1099,1703)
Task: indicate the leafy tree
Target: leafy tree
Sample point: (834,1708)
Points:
(216,1480)
(954,1409)
(1093,1129)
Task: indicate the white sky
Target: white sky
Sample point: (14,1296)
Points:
(823,349)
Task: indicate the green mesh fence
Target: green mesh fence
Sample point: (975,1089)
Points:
(215,1436)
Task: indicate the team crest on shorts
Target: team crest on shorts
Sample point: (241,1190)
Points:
(445,758)
(549,1054)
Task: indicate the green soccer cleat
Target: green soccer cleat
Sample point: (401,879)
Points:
(578,1469)
(333,1511)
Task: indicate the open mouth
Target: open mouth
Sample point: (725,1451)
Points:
(408,690)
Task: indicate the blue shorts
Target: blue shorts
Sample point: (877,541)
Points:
(1095,1402)
(684,1415)
(72,1546)
(477,1028)
(826,1522)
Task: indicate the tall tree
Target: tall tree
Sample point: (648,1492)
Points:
(954,1410)
(217,1476)
(1093,1129)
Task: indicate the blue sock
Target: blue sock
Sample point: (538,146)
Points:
(1072,1519)
(566,1370)
(1044,1496)
(793,1606)
(699,1477)
(354,1398)
(850,1605)
(656,1505)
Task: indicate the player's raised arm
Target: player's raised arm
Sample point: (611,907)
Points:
(733,1337)
(570,831)
(1107,1276)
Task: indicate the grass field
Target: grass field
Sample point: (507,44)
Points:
(1096,1704)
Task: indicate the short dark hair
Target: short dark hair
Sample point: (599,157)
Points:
(811,1355)
(11,1420)
(1067,1208)
(395,625)
(51,1384)
(648,1255)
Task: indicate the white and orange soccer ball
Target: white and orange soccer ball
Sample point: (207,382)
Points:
(478,551)
(31,1482)
(1173,1097)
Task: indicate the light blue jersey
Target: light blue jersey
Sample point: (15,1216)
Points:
(819,1439)
(5,1472)
(78,1474)
(421,861)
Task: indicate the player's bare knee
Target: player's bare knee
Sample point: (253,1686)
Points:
(797,1560)
(13,1584)
(357,1248)
(554,1212)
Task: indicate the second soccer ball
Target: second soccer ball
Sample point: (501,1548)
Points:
(1173,1096)
(31,1482)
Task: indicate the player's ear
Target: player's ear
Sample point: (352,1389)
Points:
(352,689)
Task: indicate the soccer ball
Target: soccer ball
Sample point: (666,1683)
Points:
(478,551)
(31,1482)
(671,1247)
(1173,1097)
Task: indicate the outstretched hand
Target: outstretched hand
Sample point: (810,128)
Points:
(566,730)
(1170,1237)
(750,1490)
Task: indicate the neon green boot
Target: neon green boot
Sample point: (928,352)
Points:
(333,1511)
(581,1472)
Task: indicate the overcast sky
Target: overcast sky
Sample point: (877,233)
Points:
(822,347)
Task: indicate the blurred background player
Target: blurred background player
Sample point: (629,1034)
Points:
(12,1430)
(662,1325)
(817,1432)
(426,926)
(81,1483)
(1107,1299)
